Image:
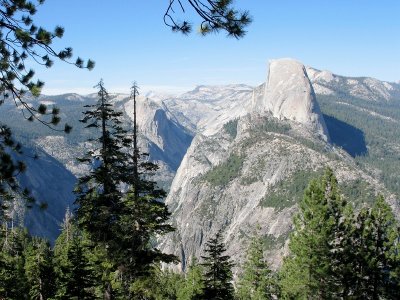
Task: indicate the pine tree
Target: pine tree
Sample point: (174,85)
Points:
(22,42)
(99,193)
(193,285)
(216,15)
(256,282)
(39,269)
(218,271)
(144,215)
(310,270)
(376,253)
(73,270)
(99,196)
(119,206)
(13,282)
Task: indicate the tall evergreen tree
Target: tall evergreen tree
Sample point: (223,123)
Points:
(218,271)
(256,282)
(118,205)
(99,195)
(144,214)
(309,270)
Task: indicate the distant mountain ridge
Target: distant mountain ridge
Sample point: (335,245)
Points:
(359,115)
(234,180)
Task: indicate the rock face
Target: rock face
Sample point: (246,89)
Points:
(253,170)
(51,184)
(253,153)
(162,136)
(207,108)
(289,95)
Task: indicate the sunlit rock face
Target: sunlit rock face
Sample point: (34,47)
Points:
(289,95)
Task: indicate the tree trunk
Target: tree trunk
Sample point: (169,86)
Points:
(108,292)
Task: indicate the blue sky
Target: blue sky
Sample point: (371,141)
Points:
(128,41)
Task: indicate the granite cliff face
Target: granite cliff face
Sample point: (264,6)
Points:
(254,169)
(253,152)
(51,185)
(288,94)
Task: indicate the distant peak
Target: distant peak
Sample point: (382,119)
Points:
(289,95)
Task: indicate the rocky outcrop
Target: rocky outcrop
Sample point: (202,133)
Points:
(162,135)
(289,95)
(236,184)
(237,180)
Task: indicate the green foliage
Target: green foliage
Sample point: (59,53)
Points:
(226,171)
(231,128)
(337,254)
(39,270)
(309,270)
(215,15)
(122,223)
(375,253)
(158,285)
(13,281)
(74,275)
(217,271)
(98,195)
(193,285)
(256,281)
(286,193)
